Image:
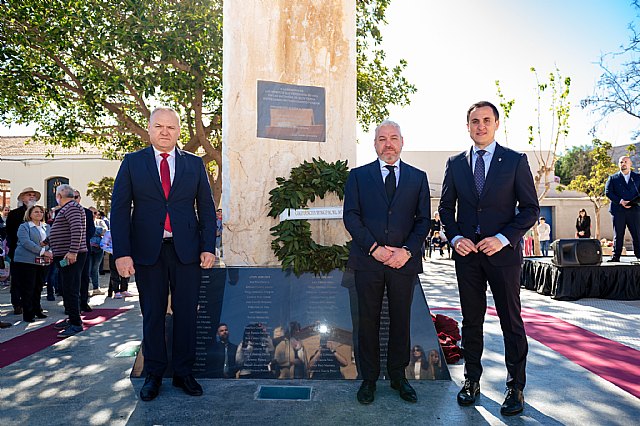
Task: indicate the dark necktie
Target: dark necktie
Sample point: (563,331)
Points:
(390,182)
(165,178)
(478,172)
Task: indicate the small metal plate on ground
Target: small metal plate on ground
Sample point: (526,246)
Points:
(284,393)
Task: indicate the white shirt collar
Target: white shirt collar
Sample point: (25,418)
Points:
(491,148)
(383,164)
(157,153)
(32,225)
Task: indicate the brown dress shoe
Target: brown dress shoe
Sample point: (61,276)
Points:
(5,324)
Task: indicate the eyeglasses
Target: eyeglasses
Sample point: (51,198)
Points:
(76,197)
(417,350)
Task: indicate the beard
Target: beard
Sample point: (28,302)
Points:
(30,203)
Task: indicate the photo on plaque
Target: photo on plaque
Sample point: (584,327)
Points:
(291,112)
(265,323)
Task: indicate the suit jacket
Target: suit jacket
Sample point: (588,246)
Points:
(370,217)
(138,233)
(29,239)
(617,189)
(509,185)
(585,226)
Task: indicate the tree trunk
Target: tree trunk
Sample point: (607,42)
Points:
(597,222)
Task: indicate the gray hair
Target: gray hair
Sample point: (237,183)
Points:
(165,108)
(65,190)
(387,123)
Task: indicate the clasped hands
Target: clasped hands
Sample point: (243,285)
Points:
(394,257)
(488,246)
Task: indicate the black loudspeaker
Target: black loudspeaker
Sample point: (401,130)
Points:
(576,252)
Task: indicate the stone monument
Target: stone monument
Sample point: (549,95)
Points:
(289,95)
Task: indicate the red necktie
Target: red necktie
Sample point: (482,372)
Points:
(165,178)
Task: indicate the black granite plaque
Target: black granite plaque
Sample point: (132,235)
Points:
(283,326)
(291,112)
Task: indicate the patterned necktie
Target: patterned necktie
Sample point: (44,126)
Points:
(165,178)
(390,182)
(478,172)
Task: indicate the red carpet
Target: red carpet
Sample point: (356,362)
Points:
(613,361)
(34,341)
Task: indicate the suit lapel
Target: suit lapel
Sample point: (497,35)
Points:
(180,166)
(494,168)
(376,177)
(152,167)
(467,171)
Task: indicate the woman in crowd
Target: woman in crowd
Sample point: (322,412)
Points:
(583,225)
(422,366)
(30,261)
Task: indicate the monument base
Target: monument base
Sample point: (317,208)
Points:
(287,327)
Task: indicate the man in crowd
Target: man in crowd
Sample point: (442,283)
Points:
(27,198)
(67,241)
(544,235)
(623,189)
(86,276)
(488,203)
(165,242)
(387,213)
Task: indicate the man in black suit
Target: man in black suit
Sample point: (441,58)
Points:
(221,356)
(387,212)
(622,188)
(488,203)
(165,242)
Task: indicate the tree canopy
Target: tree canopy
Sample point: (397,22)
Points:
(576,161)
(92,70)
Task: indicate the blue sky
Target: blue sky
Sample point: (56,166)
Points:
(456,50)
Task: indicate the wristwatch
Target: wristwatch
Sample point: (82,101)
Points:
(408,251)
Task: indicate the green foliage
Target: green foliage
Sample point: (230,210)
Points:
(92,71)
(378,85)
(552,98)
(293,244)
(506,106)
(576,161)
(593,184)
(101,193)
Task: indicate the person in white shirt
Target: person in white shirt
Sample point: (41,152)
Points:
(544,231)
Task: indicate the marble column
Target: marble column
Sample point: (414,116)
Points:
(303,43)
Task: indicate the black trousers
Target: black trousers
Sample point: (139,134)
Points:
(626,218)
(31,278)
(370,286)
(154,283)
(71,276)
(505,287)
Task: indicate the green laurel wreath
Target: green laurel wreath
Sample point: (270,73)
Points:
(293,244)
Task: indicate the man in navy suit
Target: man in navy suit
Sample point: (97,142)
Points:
(165,242)
(488,203)
(387,212)
(622,188)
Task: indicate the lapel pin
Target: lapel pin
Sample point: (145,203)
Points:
(499,158)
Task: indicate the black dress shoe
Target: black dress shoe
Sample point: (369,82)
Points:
(469,392)
(366,392)
(188,384)
(41,315)
(86,308)
(405,390)
(614,259)
(151,387)
(513,403)
(17,310)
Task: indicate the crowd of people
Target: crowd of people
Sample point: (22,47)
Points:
(61,249)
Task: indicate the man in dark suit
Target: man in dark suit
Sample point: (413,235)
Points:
(622,188)
(221,356)
(165,242)
(387,212)
(481,191)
